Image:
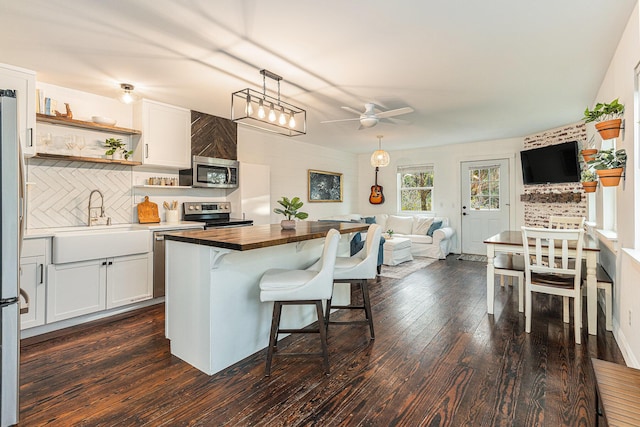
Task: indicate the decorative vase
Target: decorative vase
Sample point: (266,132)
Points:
(609,129)
(117,155)
(588,154)
(610,177)
(590,187)
(288,224)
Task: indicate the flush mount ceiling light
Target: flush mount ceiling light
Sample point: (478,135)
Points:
(127,96)
(380,158)
(259,110)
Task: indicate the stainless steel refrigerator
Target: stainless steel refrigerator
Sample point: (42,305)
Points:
(11,204)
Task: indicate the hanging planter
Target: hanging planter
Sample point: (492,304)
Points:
(590,187)
(608,118)
(610,177)
(609,129)
(588,154)
(609,165)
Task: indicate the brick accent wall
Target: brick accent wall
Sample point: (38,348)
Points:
(537,214)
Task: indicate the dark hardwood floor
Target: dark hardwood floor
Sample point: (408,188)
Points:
(438,360)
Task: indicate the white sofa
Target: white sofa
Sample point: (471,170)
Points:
(413,227)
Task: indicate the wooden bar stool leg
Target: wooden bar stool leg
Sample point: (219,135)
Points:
(364,286)
(327,314)
(323,336)
(273,336)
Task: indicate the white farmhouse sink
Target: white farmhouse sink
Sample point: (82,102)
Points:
(95,243)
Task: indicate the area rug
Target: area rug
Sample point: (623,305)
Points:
(471,257)
(402,270)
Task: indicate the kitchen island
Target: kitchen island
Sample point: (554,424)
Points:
(214,317)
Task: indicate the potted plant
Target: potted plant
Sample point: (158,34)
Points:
(390,233)
(116,149)
(589,180)
(609,166)
(290,211)
(590,151)
(608,118)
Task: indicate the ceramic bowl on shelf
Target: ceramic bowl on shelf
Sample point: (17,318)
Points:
(101,120)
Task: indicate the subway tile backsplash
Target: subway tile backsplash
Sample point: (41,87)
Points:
(58,192)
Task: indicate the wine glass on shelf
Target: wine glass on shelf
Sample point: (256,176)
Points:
(80,143)
(69,143)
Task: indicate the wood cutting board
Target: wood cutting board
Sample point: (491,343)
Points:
(148,212)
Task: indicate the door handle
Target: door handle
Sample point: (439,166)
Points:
(30,137)
(464,213)
(104,262)
(146,151)
(110,263)
(41,273)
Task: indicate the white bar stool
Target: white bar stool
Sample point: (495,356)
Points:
(300,287)
(358,269)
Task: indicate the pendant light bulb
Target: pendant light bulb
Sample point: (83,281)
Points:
(261,113)
(249,109)
(292,121)
(283,117)
(272,114)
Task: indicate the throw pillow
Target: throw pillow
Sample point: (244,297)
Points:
(399,224)
(421,225)
(369,219)
(356,244)
(434,227)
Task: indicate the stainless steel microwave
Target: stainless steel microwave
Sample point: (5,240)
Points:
(211,172)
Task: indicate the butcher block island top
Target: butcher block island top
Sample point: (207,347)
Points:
(262,236)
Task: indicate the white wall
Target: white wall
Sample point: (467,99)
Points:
(290,160)
(619,82)
(446,161)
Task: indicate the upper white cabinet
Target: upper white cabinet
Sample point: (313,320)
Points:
(24,82)
(166,135)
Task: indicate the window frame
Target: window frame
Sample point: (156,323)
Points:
(427,167)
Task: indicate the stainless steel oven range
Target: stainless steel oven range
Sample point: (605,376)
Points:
(213,214)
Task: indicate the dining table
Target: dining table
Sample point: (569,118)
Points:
(510,241)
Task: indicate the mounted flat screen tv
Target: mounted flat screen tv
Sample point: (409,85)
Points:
(551,164)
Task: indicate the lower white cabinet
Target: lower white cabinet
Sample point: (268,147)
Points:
(78,288)
(33,281)
(129,280)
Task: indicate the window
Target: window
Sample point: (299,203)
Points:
(484,184)
(416,188)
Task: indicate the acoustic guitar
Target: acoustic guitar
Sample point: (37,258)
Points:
(376,197)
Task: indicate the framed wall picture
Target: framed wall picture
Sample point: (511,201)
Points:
(325,186)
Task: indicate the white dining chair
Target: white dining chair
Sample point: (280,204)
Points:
(359,268)
(566,223)
(512,266)
(551,269)
(300,287)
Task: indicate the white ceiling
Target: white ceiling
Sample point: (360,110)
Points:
(471,70)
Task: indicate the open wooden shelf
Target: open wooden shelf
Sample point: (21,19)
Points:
(49,156)
(55,120)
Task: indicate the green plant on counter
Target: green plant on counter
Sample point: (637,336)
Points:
(602,112)
(291,208)
(390,233)
(114,145)
(609,159)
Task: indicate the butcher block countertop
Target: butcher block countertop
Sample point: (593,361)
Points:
(262,236)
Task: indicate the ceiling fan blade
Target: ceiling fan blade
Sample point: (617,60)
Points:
(352,110)
(396,112)
(340,120)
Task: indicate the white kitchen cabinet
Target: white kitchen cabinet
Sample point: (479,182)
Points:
(129,280)
(33,281)
(78,288)
(166,135)
(24,82)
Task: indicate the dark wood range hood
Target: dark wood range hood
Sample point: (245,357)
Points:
(213,136)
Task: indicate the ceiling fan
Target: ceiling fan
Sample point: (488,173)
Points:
(370,117)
